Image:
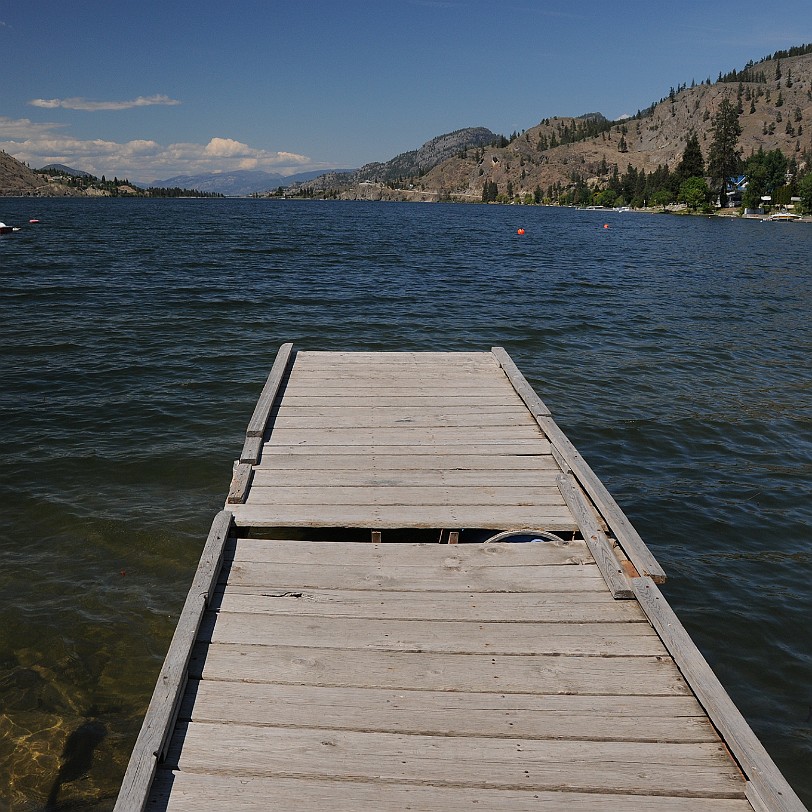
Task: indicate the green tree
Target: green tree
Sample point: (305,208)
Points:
(490,191)
(724,156)
(695,193)
(692,164)
(662,197)
(606,198)
(765,172)
(805,192)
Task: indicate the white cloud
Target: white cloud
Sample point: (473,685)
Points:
(39,144)
(78,103)
(24,128)
(227,148)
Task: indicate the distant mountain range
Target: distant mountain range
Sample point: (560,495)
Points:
(774,98)
(66,170)
(409,164)
(239,183)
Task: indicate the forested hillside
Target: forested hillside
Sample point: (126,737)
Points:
(570,160)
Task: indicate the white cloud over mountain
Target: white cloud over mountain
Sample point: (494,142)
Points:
(39,144)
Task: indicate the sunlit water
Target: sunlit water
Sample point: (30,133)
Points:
(135,338)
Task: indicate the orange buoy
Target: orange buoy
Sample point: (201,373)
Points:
(520,231)
(606,225)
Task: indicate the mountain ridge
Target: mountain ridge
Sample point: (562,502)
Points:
(407,164)
(774,97)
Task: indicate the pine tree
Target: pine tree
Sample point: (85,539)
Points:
(692,164)
(724,159)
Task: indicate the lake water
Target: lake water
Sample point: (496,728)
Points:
(136,336)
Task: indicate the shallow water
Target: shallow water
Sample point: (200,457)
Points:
(136,336)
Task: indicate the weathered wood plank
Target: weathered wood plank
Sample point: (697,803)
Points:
(403,435)
(251,450)
(383,517)
(599,545)
(259,419)
(555,607)
(435,636)
(397,360)
(161,713)
(695,769)
(356,554)
(240,481)
(394,389)
(266,477)
(449,713)
(378,462)
(560,461)
(406,495)
(194,792)
(398,418)
(541,674)
(361,408)
(437,377)
(383,399)
(416,578)
(331,357)
(757,765)
(430,378)
(495,449)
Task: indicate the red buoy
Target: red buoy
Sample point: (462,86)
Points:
(520,231)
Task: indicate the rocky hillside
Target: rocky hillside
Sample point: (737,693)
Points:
(17,180)
(774,96)
(408,164)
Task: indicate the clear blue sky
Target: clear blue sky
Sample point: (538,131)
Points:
(148,89)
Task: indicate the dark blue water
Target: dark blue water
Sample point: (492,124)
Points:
(136,336)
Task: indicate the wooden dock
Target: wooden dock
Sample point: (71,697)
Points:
(358,638)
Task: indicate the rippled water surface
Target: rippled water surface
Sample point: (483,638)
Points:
(136,336)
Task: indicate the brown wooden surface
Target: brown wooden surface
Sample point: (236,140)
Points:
(353,676)
(452,671)
(423,440)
